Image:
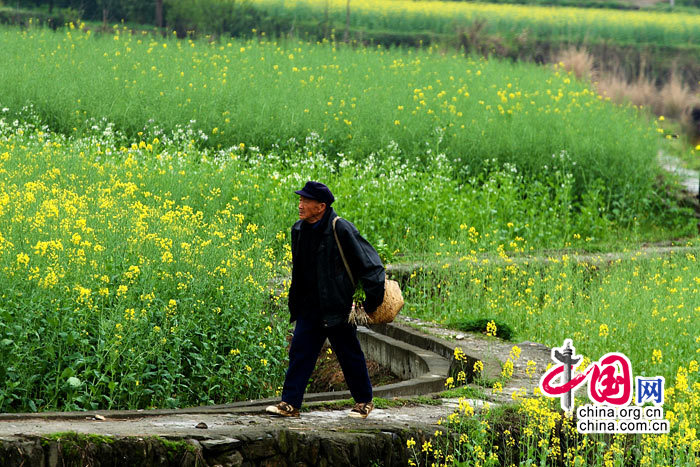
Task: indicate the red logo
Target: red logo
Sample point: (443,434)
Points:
(609,379)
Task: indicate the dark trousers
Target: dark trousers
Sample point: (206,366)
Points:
(306,345)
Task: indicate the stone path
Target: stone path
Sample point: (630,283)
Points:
(690,179)
(241,434)
(404,270)
(495,352)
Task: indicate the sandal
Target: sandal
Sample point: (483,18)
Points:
(361,410)
(283,409)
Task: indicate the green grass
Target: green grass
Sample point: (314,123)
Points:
(469,392)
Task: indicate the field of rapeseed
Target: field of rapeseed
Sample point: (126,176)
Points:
(423,102)
(643,306)
(647,308)
(446,17)
(131,283)
(145,204)
(139,273)
(177,305)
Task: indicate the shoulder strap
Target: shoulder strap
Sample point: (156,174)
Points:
(342,255)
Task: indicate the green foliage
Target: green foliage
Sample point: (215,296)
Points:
(479,325)
(138,252)
(469,392)
(104,309)
(57,18)
(221,17)
(175,316)
(136,11)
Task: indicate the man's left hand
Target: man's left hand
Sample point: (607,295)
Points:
(367,309)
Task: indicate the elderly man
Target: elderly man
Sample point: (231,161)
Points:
(320,299)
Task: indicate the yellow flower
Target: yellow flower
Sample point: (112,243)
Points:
(693,366)
(507,371)
(491,328)
(410,443)
(515,352)
(465,407)
(23,259)
(530,369)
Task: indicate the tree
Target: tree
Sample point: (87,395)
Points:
(106,6)
(346,34)
(159,13)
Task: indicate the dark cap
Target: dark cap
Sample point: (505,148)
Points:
(317,191)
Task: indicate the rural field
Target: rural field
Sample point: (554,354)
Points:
(444,17)
(146,197)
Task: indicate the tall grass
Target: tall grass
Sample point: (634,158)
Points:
(265,93)
(674,99)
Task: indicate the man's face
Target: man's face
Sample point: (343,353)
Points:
(310,210)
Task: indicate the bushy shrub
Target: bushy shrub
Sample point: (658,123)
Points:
(232,17)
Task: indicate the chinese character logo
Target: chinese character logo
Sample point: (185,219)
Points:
(649,390)
(609,379)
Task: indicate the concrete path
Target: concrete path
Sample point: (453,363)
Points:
(690,179)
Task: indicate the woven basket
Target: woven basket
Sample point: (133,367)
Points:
(386,312)
(391,305)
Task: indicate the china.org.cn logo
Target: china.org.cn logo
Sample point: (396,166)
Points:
(610,388)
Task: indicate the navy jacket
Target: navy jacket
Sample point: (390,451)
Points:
(335,289)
